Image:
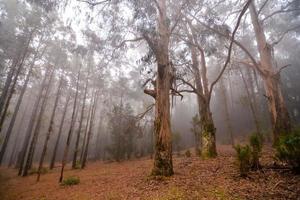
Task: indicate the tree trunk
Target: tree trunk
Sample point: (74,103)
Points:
(10,91)
(226,111)
(163,164)
(280,119)
(31,151)
(79,128)
(50,128)
(13,119)
(73,118)
(86,129)
(208,130)
(94,108)
(17,138)
(251,104)
(23,152)
(59,132)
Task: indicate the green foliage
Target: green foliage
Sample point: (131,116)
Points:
(188,153)
(72,180)
(243,157)
(256,148)
(124,130)
(288,149)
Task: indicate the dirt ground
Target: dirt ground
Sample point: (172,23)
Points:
(194,179)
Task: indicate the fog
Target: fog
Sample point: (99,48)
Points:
(84,70)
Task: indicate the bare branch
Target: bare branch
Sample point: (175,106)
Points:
(230,47)
(148,109)
(283,67)
(129,40)
(235,42)
(279,12)
(91,3)
(283,34)
(262,7)
(152,93)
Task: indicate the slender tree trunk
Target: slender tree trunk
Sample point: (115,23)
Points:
(31,151)
(23,152)
(94,108)
(17,139)
(253,111)
(73,118)
(163,164)
(280,120)
(8,82)
(79,128)
(226,110)
(50,129)
(59,132)
(13,119)
(85,133)
(10,91)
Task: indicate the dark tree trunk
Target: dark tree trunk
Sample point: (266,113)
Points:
(31,151)
(79,128)
(59,132)
(94,108)
(50,128)
(13,119)
(73,118)
(86,129)
(26,141)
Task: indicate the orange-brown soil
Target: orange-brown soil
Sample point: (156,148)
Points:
(194,178)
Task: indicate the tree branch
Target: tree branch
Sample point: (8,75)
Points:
(91,3)
(283,34)
(230,47)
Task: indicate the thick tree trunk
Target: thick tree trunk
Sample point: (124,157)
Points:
(208,130)
(13,119)
(280,119)
(50,128)
(79,128)
(163,164)
(73,118)
(59,132)
(31,151)
(94,108)
(23,152)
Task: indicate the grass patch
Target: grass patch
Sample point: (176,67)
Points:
(72,180)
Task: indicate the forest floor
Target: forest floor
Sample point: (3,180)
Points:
(194,178)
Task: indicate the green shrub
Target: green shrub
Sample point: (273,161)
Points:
(187,153)
(72,180)
(288,149)
(256,147)
(243,157)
